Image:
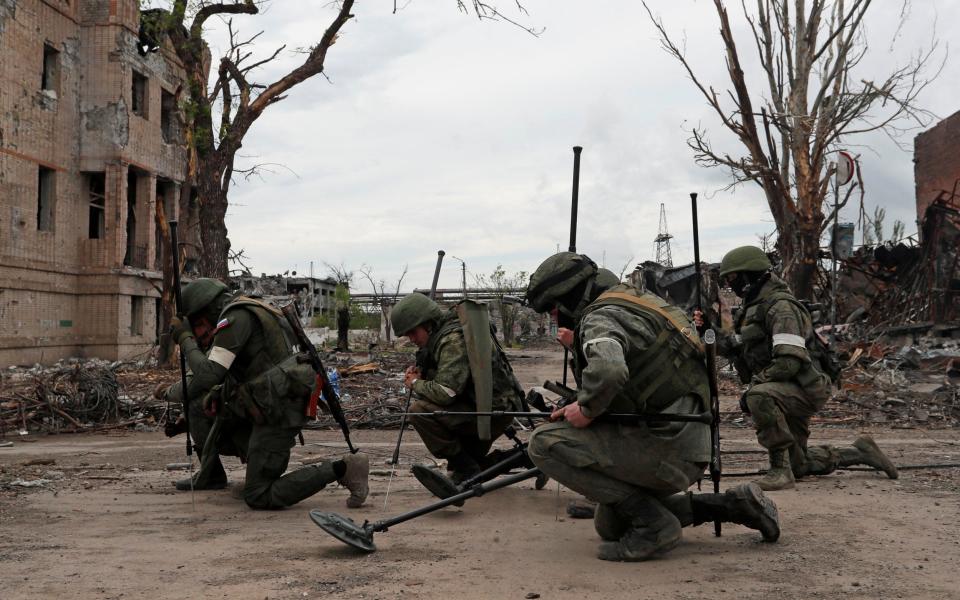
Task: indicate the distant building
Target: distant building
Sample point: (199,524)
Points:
(936,158)
(90,141)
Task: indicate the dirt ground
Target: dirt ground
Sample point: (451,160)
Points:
(109,525)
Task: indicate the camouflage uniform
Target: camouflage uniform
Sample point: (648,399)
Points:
(775,351)
(261,391)
(445,384)
(783,394)
(637,354)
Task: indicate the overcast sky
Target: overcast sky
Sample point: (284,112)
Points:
(436,130)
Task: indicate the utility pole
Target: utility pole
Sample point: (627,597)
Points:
(663,240)
(463,272)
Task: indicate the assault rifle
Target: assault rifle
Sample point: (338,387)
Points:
(323,382)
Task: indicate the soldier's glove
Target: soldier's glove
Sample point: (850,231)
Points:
(161,391)
(175,428)
(743,403)
(180,329)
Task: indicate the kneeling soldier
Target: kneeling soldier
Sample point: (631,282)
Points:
(442,381)
(251,379)
(633,353)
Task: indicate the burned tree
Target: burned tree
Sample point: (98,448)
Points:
(230,93)
(809,102)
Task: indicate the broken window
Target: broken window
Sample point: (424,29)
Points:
(46,194)
(51,69)
(97,196)
(168,117)
(136,315)
(138,95)
(136,251)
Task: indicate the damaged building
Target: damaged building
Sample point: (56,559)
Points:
(90,142)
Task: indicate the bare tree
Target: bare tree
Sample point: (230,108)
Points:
(340,273)
(503,285)
(382,295)
(231,93)
(810,101)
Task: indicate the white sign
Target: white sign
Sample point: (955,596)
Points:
(846,165)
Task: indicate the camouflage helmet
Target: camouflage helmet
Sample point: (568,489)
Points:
(606,279)
(557,276)
(198,294)
(744,258)
(413,310)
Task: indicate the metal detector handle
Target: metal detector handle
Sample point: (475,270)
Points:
(178,296)
(710,359)
(574,205)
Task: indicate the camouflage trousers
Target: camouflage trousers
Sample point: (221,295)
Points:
(449,435)
(609,462)
(781,416)
(266,451)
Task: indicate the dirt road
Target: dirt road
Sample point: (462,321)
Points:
(108,524)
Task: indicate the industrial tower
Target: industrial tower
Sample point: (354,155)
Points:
(663,240)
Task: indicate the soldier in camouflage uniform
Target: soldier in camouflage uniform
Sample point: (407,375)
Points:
(776,353)
(634,354)
(244,369)
(441,380)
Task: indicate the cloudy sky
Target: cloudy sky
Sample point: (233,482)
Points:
(436,130)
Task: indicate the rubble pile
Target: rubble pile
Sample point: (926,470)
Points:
(81,395)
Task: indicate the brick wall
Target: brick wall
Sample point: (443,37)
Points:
(936,158)
(62,293)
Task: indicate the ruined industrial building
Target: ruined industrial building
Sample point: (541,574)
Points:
(89,144)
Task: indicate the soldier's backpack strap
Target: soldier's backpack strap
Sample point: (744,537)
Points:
(272,322)
(676,341)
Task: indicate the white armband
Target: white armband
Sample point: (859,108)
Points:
(222,357)
(789,339)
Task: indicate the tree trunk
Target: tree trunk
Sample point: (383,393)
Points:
(165,343)
(213,228)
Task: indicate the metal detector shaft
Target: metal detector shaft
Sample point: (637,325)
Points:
(709,338)
(175,249)
(704,417)
(574,204)
(474,492)
(517,458)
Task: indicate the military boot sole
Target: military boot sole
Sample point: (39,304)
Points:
(756,510)
(183,485)
(619,552)
(875,457)
(436,482)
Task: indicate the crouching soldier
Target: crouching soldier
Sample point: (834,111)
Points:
(244,369)
(777,354)
(442,381)
(634,354)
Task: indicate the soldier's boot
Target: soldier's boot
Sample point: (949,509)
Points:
(214,477)
(866,452)
(583,509)
(780,475)
(610,527)
(745,505)
(651,530)
(356,479)
(462,466)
